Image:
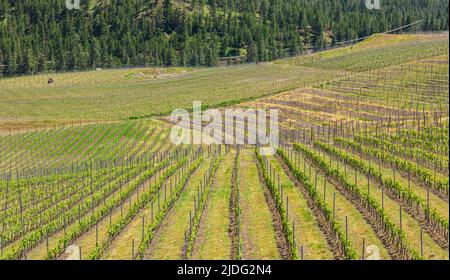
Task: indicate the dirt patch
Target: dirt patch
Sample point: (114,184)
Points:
(15,127)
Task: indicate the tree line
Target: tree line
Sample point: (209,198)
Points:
(44,35)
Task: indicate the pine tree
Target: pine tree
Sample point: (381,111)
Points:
(167,16)
(44,35)
(2,63)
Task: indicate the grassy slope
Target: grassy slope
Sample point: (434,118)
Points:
(358,228)
(121,247)
(126,99)
(259,240)
(122,94)
(169,239)
(410,227)
(307,232)
(213,242)
(378,51)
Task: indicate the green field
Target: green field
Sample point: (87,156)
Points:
(361,171)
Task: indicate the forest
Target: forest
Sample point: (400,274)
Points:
(44,35)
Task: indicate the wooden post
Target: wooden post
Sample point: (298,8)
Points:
(152,213)
(195,204)
(190,222)
(334,205)
(346,228)
(46,241)
(132,249)
(304,166)
(315,180)
(393,171)
(96,234)
(287,208)
(143,228)
(401,222)
(421,242)
(409,181)
(279,185)
(302,257)
(364,249)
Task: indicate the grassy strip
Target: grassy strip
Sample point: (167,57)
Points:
(438,224)
(88,222)
(344,244)
(259,232)
(37,236)
(439,185)
(52,209)
(429,159)
(204,190)
(395,234)
(413,140)
(143,200)
(153,227)
(237,208)
(287,227)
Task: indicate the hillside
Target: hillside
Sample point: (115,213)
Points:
(43,35)
(361,170)
(142,92)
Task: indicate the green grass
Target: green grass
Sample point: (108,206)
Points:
(436,203)
(104,118)
(410,227)
(377,52)
(213,242)
(169,239)
(358,228)
(121,247)
(122,244)
(307,231)
(258,234)
(137,99)
(59,147)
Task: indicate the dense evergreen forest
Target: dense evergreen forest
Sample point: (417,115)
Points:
(43,35)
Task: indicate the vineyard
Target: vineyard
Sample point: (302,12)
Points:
(88,170)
